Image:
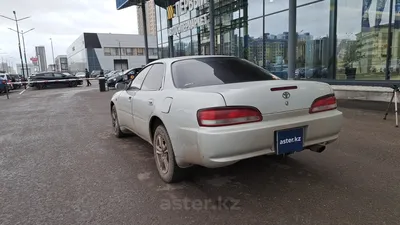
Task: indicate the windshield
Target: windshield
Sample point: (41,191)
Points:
(215,71)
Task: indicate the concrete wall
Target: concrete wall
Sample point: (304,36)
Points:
(126,41)
(76,54)
(380,94)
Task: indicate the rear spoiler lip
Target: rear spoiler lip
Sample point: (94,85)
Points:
(284,88)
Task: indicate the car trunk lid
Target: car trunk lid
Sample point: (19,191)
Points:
(273,96)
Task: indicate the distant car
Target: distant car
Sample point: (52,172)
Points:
(6,80)
(300,73)
(116,78)
(3,83)
(45,79)
(214,111)
(111,73)
(66,73)
(80,74)
(95,73)
(16,78)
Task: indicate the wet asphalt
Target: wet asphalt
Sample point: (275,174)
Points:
(61,164)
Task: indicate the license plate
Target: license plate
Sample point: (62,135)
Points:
(289,141)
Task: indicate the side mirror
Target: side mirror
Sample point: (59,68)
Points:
(134,88)
(120,86)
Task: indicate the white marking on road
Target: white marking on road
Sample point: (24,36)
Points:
(23,91)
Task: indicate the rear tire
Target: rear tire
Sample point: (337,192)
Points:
(164,156)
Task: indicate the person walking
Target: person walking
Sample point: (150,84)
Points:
(101,73)
(87,75)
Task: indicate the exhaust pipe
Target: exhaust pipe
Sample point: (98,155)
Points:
(317,148)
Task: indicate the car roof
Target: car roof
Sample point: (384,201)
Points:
(175,59)
(46,72)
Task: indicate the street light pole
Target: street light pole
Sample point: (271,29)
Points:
(19,43)
(19,40)
(23,43)
(52,52)
(120,50)
(120,53)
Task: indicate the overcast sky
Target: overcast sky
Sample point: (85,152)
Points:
(61,20)
(65,20)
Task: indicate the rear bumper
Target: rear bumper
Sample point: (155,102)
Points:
(222,146)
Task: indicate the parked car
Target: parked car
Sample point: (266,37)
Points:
(3,83)
(116,78)
(6,80)
(300,73)
(46,79)
(111,73)
(124,77)
(214,111)
(16,78)
(95,73)
(80,74)
(66,73)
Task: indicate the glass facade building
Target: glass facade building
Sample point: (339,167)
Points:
(334,37)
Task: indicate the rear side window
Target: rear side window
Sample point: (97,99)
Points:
(215,71)
(44,75)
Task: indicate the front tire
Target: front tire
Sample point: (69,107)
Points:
(164,156)
(114,116)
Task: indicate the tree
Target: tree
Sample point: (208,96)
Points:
(353,53)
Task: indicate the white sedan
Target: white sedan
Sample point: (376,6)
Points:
(214,111)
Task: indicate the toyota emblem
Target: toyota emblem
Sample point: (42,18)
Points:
(286,95)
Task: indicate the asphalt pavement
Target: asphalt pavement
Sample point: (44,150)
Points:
(61,164)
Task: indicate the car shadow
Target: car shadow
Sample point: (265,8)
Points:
(54,87)
(264,174)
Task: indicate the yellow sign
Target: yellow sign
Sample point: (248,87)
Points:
(170,12)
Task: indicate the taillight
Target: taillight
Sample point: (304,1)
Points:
(226,116)
(324,103)
(3,82)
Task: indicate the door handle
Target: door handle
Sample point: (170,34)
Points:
(130,98)
(150,101)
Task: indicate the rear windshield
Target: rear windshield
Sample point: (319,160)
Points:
(216,70)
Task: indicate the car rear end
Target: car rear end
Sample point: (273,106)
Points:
(3,83)
(231,133)
(6,81)
(260,117)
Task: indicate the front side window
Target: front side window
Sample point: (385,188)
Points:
(154,78)
(215,71)
(138,81)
